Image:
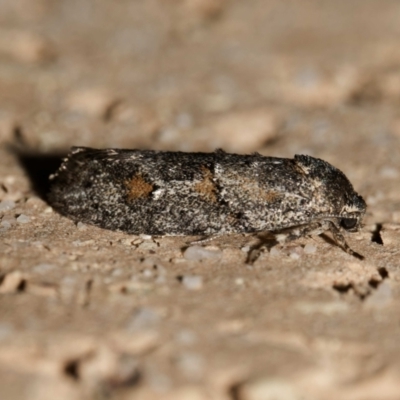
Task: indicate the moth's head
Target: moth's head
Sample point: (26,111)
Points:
(348,207)
(352,213)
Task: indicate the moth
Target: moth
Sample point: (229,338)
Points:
(207,194)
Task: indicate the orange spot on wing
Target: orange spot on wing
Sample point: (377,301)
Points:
(206,187)
(138,187)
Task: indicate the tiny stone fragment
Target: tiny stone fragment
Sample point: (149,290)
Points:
(295,253)
(25,46)
(295,256)
(44,268)
(239,281)
(196,253)
(245,131)
(275,251)
(269,389)
(147,246)
(90,101)
(6,223)
(6,205)
(23,219)
(191,365)
(144,318)
(192,282)
(12,282)
(309,248)
(81,226)
(380,297)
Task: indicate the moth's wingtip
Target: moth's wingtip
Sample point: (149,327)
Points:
(79,149)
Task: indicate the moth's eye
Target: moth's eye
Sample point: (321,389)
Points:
(348,223)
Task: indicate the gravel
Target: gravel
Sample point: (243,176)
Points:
(197,253)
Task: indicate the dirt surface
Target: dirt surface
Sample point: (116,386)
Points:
(92,314)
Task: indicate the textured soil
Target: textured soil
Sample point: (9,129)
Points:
(87,313)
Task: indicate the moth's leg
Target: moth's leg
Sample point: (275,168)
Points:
(264,242)
(204,239)
(315,229)
(341,241)
(282,237)
(312,229)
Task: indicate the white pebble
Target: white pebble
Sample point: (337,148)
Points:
(5,226)
(6,330)
(294,255)
(81,226)
(196,253)
(23,219)
(192,282)
(117,272)
(43,268)
(147,246)
(6,205)
(7,222)
(275,251)
(144,318)
(381,297)
(310,248)
(269,389)
(191,365)
(389,173)
(186,337)
(147,273)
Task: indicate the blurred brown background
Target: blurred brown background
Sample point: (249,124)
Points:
(91,314)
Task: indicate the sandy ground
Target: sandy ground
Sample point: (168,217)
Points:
(92,314)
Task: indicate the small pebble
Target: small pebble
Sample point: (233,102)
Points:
(196,253)
(389,173)
(275,251)
(4,226)
(44,268)
(7,222)
(23,219)
(269,389)
(81,226)
(12,282)
(191,365)
(186,337)
(6,330)
(6,205)
(147,273)
(295,253)
(192,282)
(310,248)
(144,318)
(117,272)
(93,101)
(128,242)
(147,246)
(381,297)
(245,131)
